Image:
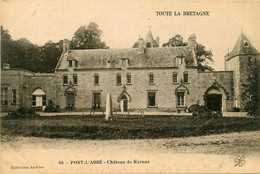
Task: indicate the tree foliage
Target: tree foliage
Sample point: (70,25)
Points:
(23,54)
(203,56)
(88,38)
(250,90)
(175,41)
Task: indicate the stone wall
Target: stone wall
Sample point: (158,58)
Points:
(138,89)
(233,64)
(25,83)
(44,81)
(224,79)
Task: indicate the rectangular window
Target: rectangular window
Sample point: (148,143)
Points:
(75,79)
(44,100)
(186,77)
(128,79)
(151,78)
(96,79)
(70,63)
(34,100)
(175,78)
(4,96)
(151,98)
(96,103)
(76,63)
(118,78)
(180,97)
(123,62)
(14,96)
(65,79)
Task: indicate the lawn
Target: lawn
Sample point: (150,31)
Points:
(95,127)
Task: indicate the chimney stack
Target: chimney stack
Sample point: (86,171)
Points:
(141,45)
(192,41)
(157,41)
(66,45)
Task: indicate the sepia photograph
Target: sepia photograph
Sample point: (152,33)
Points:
(95,86)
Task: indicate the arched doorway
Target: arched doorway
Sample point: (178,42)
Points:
(124,104)
(70,94)
(124,100)
(70,98)
(38,98)
(214,100)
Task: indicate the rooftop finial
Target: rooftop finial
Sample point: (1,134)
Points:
(241,30)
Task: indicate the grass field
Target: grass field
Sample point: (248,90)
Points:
(95,127)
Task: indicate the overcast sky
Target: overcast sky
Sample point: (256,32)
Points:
(123,21)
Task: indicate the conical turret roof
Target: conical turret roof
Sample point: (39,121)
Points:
(149,36)
(243,46)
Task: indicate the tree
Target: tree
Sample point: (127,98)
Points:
(177,40)
(50,54)
(88,38)
(250,89)
(203,56)
(23,54)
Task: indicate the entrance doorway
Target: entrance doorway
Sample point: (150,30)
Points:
(124,104)
(70,99)
(214,102)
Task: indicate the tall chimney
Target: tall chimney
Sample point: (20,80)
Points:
(141,45)
(157,41)
(192,41)
(66,45)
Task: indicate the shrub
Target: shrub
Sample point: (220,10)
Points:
(51,107)
(235,109)
(203,111)
(22,113)
(70,107)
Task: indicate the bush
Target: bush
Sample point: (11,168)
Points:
(70,108)
(203,111)
(23,113)
(51,107)
(235,109)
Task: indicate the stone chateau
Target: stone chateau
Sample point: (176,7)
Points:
(148,77)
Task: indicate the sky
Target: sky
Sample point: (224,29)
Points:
(123,21)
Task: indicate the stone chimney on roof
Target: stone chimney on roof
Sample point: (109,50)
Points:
(141,45)
(192,41)
(157,41)
(66,45)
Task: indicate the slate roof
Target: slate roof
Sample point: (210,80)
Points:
(149,36)
(111,58)
(240,48)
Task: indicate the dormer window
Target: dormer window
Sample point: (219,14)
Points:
(70,63)
(148,45)
(246,44)
(180,60)
(125,62)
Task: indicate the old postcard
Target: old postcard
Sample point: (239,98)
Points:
(95,86)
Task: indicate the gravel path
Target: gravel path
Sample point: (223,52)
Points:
(214,153)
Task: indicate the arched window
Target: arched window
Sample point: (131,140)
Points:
(38,98)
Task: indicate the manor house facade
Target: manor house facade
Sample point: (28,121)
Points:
(148,77)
